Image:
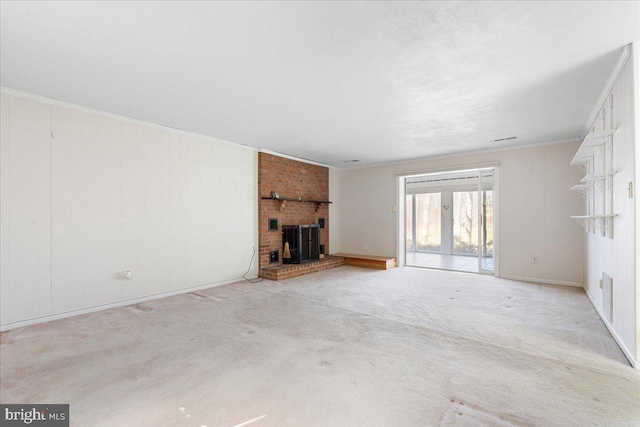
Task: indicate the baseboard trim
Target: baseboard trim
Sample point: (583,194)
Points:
(544,281)
(613,332)
(97,308)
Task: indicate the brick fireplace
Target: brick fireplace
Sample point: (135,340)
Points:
(301,187)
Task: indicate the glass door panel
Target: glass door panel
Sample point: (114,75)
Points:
(486,236)
(410,238)
(428,222)
(465,223)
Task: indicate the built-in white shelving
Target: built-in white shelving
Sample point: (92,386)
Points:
(595,156)
(596,222)
(597,176)
(591,144)
(582,189)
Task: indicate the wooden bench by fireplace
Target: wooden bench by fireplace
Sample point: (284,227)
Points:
(368,261)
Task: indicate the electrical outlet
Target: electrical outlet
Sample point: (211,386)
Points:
(534,259)
(366,247)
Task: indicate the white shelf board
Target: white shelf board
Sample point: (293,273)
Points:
(590,141)
(581,187)
(593,216)
(597,176)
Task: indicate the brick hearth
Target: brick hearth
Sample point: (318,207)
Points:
(288,271)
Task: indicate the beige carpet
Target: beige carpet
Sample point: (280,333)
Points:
(343,347)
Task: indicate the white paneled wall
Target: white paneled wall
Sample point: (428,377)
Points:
(616,256)
(535,204)
(85,197)
(635,56)
(26,210)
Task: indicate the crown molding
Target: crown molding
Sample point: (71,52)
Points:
(297,159)
(625,54)
(70,106)
(467,153)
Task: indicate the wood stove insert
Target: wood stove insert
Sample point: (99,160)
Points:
(300,243)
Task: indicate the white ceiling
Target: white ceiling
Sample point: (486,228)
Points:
(332,81)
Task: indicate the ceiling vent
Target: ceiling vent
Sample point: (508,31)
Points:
(505,139)
(350,161)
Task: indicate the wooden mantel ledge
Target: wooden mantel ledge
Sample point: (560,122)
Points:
(368,261)
(282,201)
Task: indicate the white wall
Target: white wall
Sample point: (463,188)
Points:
(616,256)
(85,196)
(534,208)
(636,93)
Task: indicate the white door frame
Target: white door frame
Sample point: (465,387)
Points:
(446,233)
(481,218)
(401,189)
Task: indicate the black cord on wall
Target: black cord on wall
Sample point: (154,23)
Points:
(244,276)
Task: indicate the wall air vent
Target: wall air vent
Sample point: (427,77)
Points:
(505,139)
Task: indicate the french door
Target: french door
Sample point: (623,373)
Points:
(453,215)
